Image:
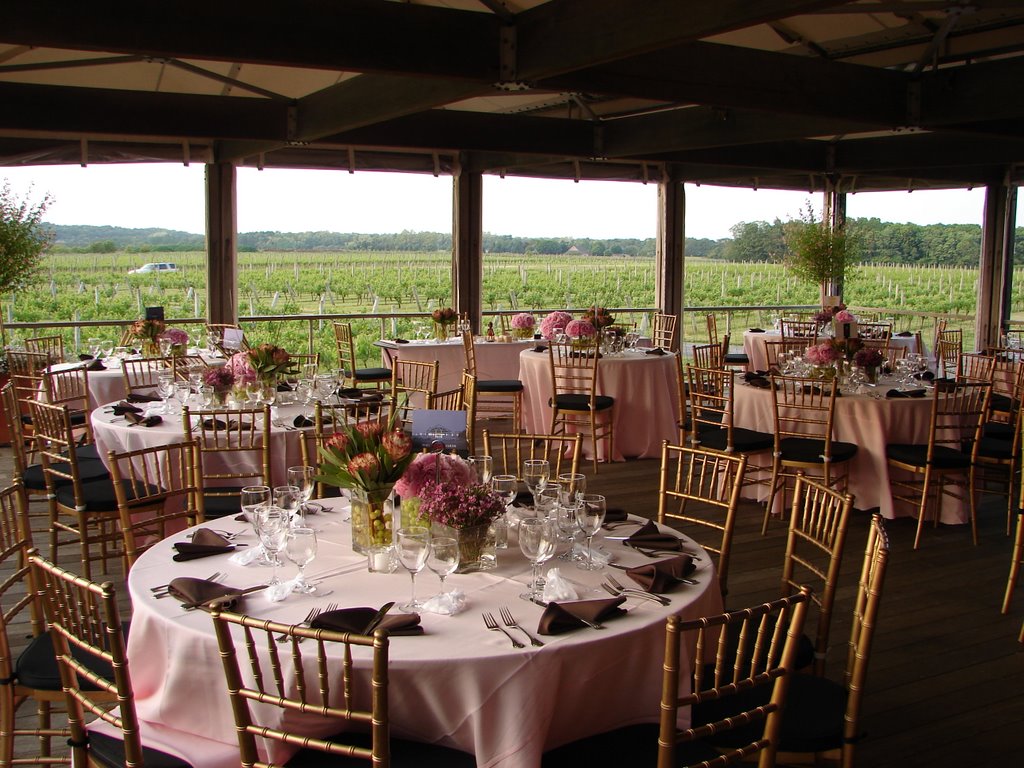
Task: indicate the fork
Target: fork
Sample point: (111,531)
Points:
(652,553)
(493,625)
(161,590)
(328,607)
(615,588)
(313,613)
(510,621)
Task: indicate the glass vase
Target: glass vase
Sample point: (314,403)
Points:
(477,546)
(372,519)
(409,513)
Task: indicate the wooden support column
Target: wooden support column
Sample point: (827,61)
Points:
(996,265)
(834,216)
(669,261)
(221,243)
(467,244)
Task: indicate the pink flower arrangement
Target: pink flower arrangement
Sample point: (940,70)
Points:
(554,324)
(579,329)
(868,357)
(423,471)
(371,456)
(241,369)
(219,379)
(845,316)
(822,354)
(175,336)
(522,321)
(460,506)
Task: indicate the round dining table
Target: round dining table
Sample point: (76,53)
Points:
(494,359)
(871,422)
(646,399)
(457,684)
(753,346)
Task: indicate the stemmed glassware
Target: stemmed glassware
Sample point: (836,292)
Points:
(568,525)
(413,548)
(302,478)
(505,486)
(301,550)
(537,542)
(165,388)
(273,525)
(287,498)
(548,499)
(573,485)
(535,474)
(590,518)
(443,558)
(484,467)
(253,497)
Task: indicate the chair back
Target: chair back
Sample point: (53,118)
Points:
(51,346)
(142,374)
(814,552)
(56,446)
(707,355)
(317,679)
(12,415)
(958,414)
(469,345)
(71,388)
(976,367)
(770,634)
(949,345)
(804,407)
(412,379)
(663,331)
(26,372)
(712,324)
(772,350)
(711,398)
(713,481)
(232,451)
(164,497)
(17,593)
(804,330)
(875,331)
(510,450)
(574,369)
(346,352)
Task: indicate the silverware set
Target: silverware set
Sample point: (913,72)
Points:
(162,590)
(613,587)
(492,625)
(308,621)
(510,621)
(691,582)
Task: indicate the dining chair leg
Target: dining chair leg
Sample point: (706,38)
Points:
(774,489)
(1018,554)
(922,509)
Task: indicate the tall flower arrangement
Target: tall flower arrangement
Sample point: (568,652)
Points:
(269,361)
(425,470)
(177,338)
(241,368)
(148,332)
(598,317)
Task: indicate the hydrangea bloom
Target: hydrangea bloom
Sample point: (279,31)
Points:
(423,470)
(821,354)
(580,329)
(554,324)
(845,316)
(176,336)
(522,320)
(240,368)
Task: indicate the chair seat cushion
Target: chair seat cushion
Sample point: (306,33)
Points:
(36,666)
(634,745)
(108,751)
(404,754)
(995,448)
(998,429)
(917,456)
(88,471)
(88,451)
(807,450)
(581,402)
(216,506)
(1000,402)
(372,374)
(98,495)
(815,710)
(743,440)
(499,385)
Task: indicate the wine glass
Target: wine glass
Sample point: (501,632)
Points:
(568,526)
(535,474)
(95,346)
(590,517)
(505,485)
(272,526)
(547,500)
(413,547)
(302,478)
(288,497)
(443,558)
(537,542)
(165,388)
(301,550)
(573,485)
(483,466)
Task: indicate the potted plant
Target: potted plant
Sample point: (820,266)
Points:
(819,254)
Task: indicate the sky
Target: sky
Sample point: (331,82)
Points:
(171,196)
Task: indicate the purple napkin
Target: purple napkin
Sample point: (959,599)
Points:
(663,575)
(896,393)
(195,593)
(657,351)
(356,620)
(140,397)
(120,409)
(143,421)
(204,544)
(565,617)
(649,537)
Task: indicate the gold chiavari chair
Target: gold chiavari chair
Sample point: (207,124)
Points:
(976,367)
(232,451)
(718,695)
(707,356)
(51,346)
(495,397)
(354,376)
(322,682)
(804,330)
(141,375)
(805,436)
(663,331)
(942,466)
(71,388)
(729,359)
(949,345)
(26,374)
(875,331)
(575,403)
(712,393)
(998,452)
(215,332)
(1017,557)
(462,398)
(510,450)
(413,383)
(713,481)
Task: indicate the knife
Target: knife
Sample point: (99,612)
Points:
(378,618)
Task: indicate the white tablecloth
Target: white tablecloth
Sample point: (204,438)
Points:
(870,424)
(753,345)
(494,360)
(458,684)
(646,400)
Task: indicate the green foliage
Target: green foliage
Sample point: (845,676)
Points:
(816,253)
(22,238)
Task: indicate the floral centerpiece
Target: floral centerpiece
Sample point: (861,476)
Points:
(368,458)
(468,510)
(582,333)
(554,324)
(427,468)
(269,362)
(824,317)
(869,360)
(148,332)
(443,318)
(522,325)
(176,339)
(844,316)
(598,317)
(221,380)
(242,371)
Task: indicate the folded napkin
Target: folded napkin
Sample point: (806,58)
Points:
(213,423)
(355,620)
(663,575)
(656,351)
(446,603)
(96,365)
(558,588)
(923,376)
(539,348)
(760,382)
(203,544)
(757,330)
(615,515)
(120,409)
(565,617)
(904,334)
(401,341)
(303,421)
(143,421)
(196,592)
(284,386)
(142,397)
(908,393)
(349,393)
(649,537)
(84,356)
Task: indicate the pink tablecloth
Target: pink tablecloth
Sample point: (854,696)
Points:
(457,685)
(870,424)
(753,345)
(646,400)
(494,360)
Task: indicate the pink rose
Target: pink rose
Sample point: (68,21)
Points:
(845,316)
(579,329)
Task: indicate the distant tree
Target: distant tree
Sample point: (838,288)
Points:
(23,239)
(102,246)
(756,241)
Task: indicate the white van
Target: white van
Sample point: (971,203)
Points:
(159,266)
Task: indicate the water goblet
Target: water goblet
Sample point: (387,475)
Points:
(505,486)
(272,526)
(287,497)
(301,550)
(537,542)
(547,500)
(413,547)
(483,466)
(165,389)
(535,474)
(325,387)
(182,392)
(574,484)
(568,526)
(443,558)
(590,517)
(302,478)
(95,346)
(107,347)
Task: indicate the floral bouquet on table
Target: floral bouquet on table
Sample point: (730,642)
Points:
(221,380)
(522,325)
(823,355)
(176,339)
(241,369)
(148,332)
(468,510)
(846,348)
(269,362)
(598,317)
(427,468)
(869,360)
(443,318)
(368,458)
(554,324)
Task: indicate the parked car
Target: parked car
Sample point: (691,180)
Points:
(159,266)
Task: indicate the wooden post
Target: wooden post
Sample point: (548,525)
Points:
(467,244)
(221,243)
(996,265)
(670,252)
(834,216)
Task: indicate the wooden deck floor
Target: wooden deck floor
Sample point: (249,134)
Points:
(946,685)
